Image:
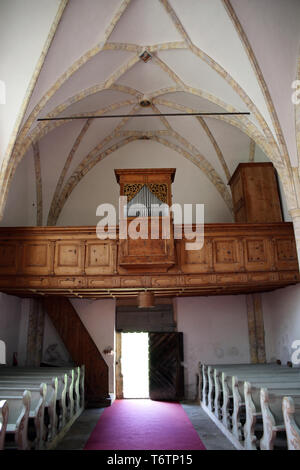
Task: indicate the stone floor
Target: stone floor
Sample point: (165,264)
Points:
(209,433)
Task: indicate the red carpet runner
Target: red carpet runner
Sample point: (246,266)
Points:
(144,425)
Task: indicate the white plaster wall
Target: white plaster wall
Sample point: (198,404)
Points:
(98,316)
(53,346)
(10,315)
(19,52)
(282,322)
(20,208)
(272,27)
(215,330)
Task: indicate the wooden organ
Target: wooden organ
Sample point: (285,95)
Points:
(149,196)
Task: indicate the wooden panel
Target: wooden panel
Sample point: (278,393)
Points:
(34,282)
(285,253)
(81,348)
(227,253)
(148,254)
(200,280)
(197,261)
(69,257)
(8,257)
(288,276)
(136,281)
(106,282)
(263,278)
(164,281)
(165,370)
(100,258)
(258,254)
(232,279)
(69,282)
(36,258)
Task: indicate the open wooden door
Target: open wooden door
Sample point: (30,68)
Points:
(165,370)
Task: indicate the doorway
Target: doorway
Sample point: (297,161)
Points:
(149,365)
(135,365)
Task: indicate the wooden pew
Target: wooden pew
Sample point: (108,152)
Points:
(82,387)
(242,402)
(64,400)
(50,401)
(207,380)
(271,408)
(72,386)
(37,408)
(73,392)
(227,392)
(78,388)
(251,373)
(291,415)
(75,386)
(18,414)
(223,392)
(38,377)
(3,421)
(65,391)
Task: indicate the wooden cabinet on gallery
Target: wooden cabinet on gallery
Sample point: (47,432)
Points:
(255,193)
(146,189)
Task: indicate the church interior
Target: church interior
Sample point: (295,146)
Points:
(188,105)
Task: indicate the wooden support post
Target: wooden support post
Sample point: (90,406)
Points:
(256,329)
(35,335)
(260,330)
(118,370)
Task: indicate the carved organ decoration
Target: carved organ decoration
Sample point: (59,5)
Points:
(148,193)
(150,200)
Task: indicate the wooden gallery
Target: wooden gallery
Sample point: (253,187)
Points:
(150,225)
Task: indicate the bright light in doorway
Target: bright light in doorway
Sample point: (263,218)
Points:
(135,366)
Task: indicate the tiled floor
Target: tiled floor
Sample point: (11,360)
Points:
(211,436)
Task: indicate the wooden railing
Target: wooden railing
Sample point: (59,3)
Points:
(72,261)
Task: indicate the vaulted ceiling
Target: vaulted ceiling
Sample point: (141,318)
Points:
(108,57)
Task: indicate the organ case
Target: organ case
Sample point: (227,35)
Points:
(145,190)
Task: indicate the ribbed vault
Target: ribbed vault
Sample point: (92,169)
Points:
(98,69)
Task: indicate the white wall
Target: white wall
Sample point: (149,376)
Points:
(20,209)
(53,346)
(98,316)
(282,322)
(215,330)
(10,315)
(272,27)
(19,52)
